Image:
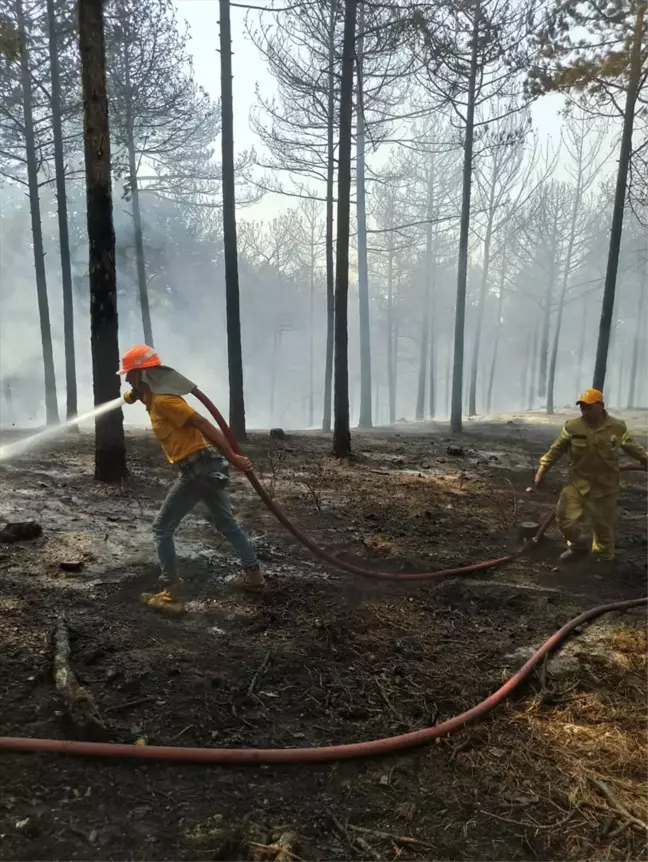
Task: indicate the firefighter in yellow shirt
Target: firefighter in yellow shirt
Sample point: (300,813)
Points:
(594,442)
(200,453)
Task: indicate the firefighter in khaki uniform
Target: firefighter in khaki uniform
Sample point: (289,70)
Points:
(593,441)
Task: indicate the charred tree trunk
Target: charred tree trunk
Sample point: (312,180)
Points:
(578,195)
(110,449)
(393,394)
(365,419)
(391,383)
(61,199)
(460,311)
(425,324)
(625,153)
(481,302)
(330,176)
(498,332)
(640,327)
(311,337)
(546,326)
(233,302)
(341,432)
(432,389)
(140,260)
(51,403)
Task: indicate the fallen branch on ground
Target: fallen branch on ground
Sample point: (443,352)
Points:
(617,807)
(79,703)
(398,839)
(256,676)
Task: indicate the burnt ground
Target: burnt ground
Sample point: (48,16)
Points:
(342,659)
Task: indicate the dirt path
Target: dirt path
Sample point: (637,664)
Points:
(343,660)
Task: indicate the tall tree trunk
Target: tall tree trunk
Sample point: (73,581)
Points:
(533,383)
(498,330)
(551,381)
(110,448)
(51,404)
(425,323)
(481,302)
(460,311)
(365,420)
(140,260)
(233,302)
(544,335)
(330,176)
(432,388)
(578,194)
(640,328)
(616,230)
(61,198)
(311,335)
(391,383)
(341,432)
(393,395)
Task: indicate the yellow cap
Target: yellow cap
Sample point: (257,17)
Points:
(590,396)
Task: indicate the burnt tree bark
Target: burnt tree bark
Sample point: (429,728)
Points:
(430,261)
(110,449)
(51,403)
(456,424)
(330,176)
(498,328)
(61,199)
(341,432)
(483,289)
(616,230)
(365,420)
(233,303)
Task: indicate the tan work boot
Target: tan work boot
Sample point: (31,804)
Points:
(253,580)
(170,600)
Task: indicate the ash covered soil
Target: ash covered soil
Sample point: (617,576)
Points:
(324,658)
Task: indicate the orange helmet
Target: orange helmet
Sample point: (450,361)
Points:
(138,357)
(590,396)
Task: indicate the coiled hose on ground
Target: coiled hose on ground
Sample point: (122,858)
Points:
(332,752)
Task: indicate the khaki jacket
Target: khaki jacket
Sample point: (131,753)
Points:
(594,454)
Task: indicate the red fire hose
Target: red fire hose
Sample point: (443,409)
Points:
(342,564)
(313,755)
(333,752)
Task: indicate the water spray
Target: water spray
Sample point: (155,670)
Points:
(20,447)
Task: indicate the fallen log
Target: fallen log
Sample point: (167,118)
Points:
(78,701)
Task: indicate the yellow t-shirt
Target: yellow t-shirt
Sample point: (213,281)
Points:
(169,417)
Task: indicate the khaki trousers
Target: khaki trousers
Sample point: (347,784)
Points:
(575,509)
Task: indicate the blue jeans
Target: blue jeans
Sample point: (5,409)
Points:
(203,478)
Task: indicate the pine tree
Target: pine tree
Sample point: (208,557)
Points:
(110,449)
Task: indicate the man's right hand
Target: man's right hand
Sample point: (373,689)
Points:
(241,463)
